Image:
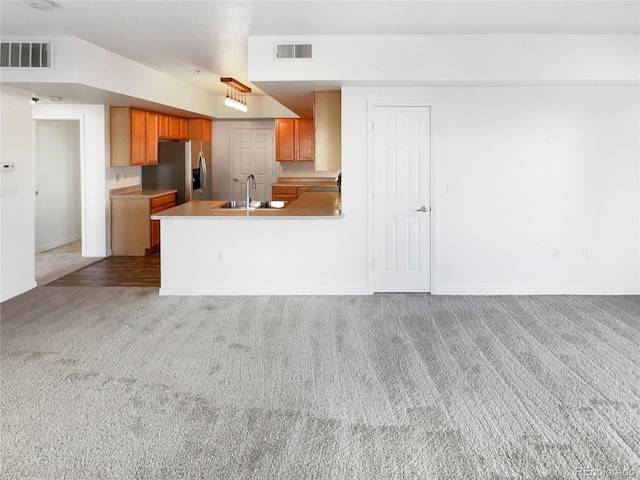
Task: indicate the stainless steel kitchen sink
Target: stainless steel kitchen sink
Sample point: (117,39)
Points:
(234,205)
(274,204)
(254,205)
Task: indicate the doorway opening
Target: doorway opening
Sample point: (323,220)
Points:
(252,155)
(58,228)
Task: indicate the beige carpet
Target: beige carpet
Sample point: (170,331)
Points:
(61,261)
(119,383)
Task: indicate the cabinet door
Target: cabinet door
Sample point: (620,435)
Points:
(159,204)
(305,142)
(206,130)
(199,129)
(155,227)
(285,151)
(327,116)
(163,125)
(184,135)
(138,136)
(174,127)
(152,138)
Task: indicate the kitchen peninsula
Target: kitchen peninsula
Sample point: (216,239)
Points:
(209,250)
(312,205)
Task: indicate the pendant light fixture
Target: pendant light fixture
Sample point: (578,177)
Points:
(236,94)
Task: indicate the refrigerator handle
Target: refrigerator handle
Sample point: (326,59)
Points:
(202,165)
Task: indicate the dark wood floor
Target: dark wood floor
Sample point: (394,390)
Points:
(116,272)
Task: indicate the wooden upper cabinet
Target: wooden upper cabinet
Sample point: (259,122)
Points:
(174,127)
(184,129)
(305,143)
(138,136)
(327,114)
(171,127)
(135,133)
(294,139)
(285,151)
(152,138)
(199,129)
(163,125)
(131,141)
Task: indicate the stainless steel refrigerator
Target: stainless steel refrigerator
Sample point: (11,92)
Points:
(184,166)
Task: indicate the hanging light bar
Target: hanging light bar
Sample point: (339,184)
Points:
(236,94)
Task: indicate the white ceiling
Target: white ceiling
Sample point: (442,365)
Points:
(181,38)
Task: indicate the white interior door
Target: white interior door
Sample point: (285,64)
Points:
(401,203)
(253,155)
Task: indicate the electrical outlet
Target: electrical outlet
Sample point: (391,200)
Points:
(556,253)
(219,256)
(118,177)
(586,254)
(452,188)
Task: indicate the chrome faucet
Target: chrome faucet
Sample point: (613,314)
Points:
(251,183)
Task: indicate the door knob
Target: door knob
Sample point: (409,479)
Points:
(422,209)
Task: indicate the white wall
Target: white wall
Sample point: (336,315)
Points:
(452,59)
(261,256)
(77,61)
(82,64)
(537,169)
(539,132)
(17,263)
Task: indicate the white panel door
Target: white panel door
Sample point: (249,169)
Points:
(253,155)
(401,202)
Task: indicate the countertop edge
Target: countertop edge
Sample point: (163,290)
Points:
(243,217)
(319,205)
(143,194)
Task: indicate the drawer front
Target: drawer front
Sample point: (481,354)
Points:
(283,190)
(163,200)
(287,197)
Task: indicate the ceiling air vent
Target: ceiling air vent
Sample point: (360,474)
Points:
(293,51)
(25,55)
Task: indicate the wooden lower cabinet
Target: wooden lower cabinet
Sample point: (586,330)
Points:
(133,233)
(288,194)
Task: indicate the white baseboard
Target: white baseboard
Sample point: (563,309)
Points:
(59,243)
(536,291)
(257,291)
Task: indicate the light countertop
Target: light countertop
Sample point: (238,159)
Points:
(305,182)
(139,193)
(308,205)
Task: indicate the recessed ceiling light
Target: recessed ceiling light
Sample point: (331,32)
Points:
(55,99)
(45,5)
